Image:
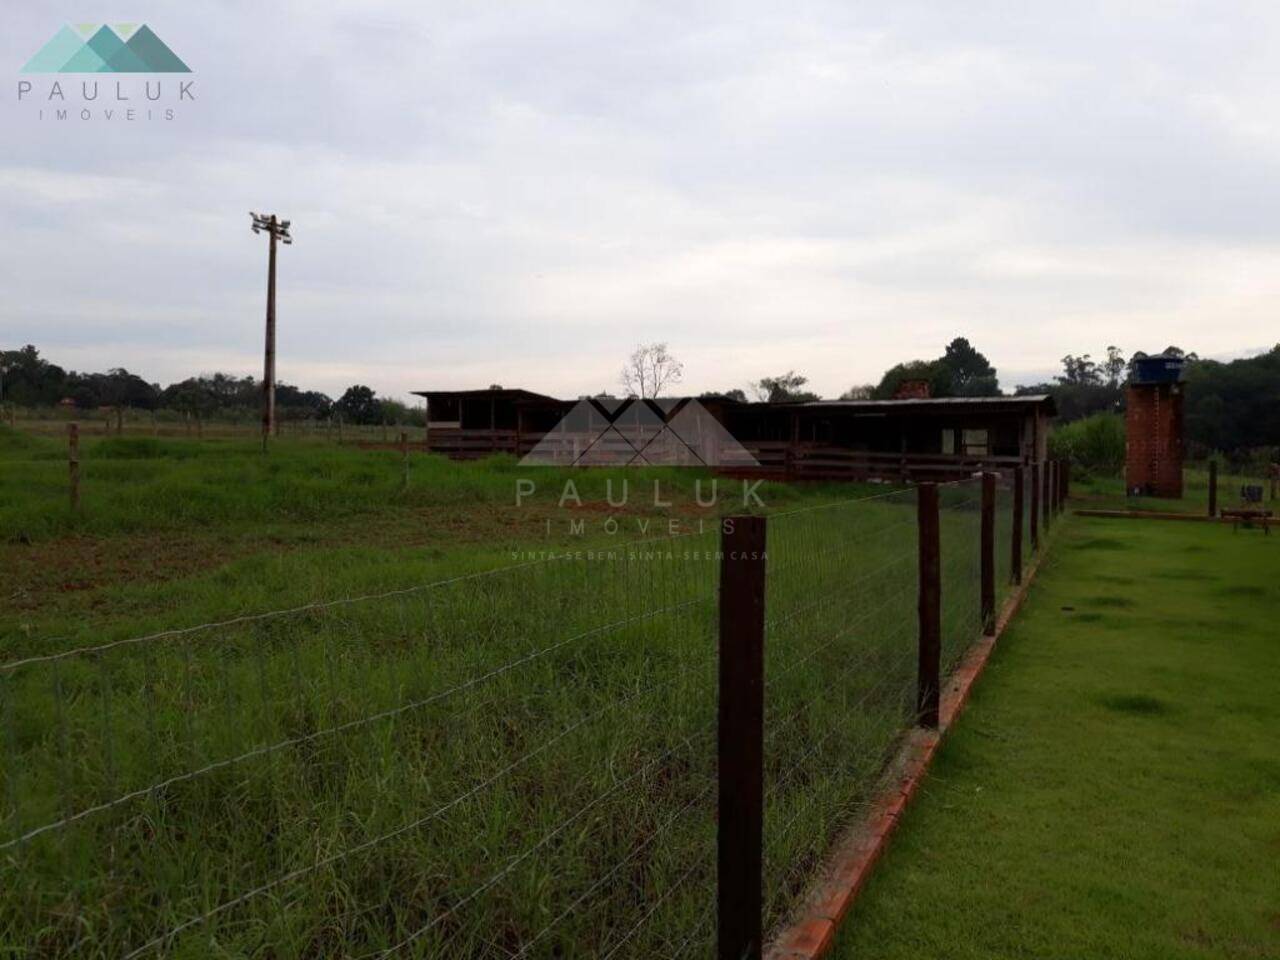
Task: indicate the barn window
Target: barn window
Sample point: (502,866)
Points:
(976,443)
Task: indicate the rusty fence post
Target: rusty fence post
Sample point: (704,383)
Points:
(1015,542)
(1034,512)
(73,462)
(988,544)
(740,836)
(929,607)
(1213,488)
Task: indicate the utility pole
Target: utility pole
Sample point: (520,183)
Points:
(277,230)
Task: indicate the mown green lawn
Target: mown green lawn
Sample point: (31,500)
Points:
(1113,789)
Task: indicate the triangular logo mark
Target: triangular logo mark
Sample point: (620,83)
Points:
(99,48)
(639,433)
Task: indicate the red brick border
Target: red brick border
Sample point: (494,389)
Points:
(812,931)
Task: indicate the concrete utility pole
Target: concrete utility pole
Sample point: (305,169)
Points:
(277,230)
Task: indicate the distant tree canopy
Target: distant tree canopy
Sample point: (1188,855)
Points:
(27,379)
(359,405)
(1231,407)
(787,388)
(961,371)
(734,394)
(1234,406)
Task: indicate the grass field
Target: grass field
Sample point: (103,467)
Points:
(1113,788)
(496,754)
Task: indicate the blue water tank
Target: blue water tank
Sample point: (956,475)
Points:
(1162,368)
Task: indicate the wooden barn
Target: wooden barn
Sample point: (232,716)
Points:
(909,438)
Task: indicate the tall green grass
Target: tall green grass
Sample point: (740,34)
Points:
(516,762)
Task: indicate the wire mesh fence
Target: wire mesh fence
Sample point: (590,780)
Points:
(515,763)
(481,767)
(840,674)
(960,518)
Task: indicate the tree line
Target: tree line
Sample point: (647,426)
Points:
(29,380)
(1229,406)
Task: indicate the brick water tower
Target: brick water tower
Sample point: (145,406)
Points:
(1153,427)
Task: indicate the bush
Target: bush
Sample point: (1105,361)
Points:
(1095,444)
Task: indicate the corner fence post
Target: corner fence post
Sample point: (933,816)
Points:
(989,554)
(1034,512)
(1213,488)
(1015,542)
(73,462)
(928,680)
(740,837)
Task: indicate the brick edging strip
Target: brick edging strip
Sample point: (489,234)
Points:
(811,934)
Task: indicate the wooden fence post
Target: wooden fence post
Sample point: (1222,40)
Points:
(1066,481)
(989,554)
(1213,488)
(1015,543)
(1046,495)
(73,462)
(740,837)
(1034,512)
(404,458)
(929,607)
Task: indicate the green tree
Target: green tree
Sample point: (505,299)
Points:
(971,373)
(784,389)
(359,404)
(934,371)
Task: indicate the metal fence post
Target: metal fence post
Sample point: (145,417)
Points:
(404,458)
(988,539)
(928,680)
(740,837)
(1034,513)
(1015,544)
(1213,488)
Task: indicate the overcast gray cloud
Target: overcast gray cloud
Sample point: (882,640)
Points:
(519,193)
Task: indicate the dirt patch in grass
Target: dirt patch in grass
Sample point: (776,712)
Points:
(36,574)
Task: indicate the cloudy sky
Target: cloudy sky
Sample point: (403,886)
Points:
(519,193)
